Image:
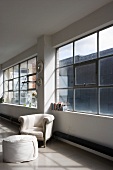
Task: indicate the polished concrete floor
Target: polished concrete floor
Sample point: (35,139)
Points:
(56,156)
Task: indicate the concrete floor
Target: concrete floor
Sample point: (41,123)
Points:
(56,156)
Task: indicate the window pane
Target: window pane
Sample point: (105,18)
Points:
(16,98)
(23,69)
(106,42)
(16,84)
(65,55)
(65,96)
(31,85)
(86,48)
(11,73)
(6,97)
(11,85)
(106,71)
(65,77)
(6,74)
(85,74)
(16,71)
(33,98)
(32,66)
(32,78)
(23,97)
(23,83)
(5,85)
(86,100)
(106,101)
(32,82)
(10,97)
(16,78)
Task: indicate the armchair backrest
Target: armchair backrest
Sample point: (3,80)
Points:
(35,120)
(38,120)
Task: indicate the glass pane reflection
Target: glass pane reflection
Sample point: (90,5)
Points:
(86,100)
(65,96)
(65,55)
(86,48)
(65,77)
(32,66)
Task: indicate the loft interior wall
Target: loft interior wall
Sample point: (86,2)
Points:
(97,20)
(91,127)
(10,109)
(95,128)
(20,57)
(46,92)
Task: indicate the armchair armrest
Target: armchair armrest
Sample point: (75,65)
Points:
(47,127)
(23,123)
(48,119)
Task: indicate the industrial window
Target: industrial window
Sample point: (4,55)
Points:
(20,84)
(84,73)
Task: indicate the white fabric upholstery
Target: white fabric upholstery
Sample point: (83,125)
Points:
(20,148)
(39,125)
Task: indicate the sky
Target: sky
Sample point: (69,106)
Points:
(88,45)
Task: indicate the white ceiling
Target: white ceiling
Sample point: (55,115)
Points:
(23,21)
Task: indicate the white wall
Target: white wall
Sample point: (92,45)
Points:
(1,82)
(20,57)
(13,110)
(49,74)
(94,128)
(40,49)
(98,19)
(16,111)
(46,92)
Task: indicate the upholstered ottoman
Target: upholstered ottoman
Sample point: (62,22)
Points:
(20,148)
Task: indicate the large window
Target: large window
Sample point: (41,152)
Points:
(84,73)
(20,84)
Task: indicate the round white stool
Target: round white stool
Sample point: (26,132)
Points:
(20,148)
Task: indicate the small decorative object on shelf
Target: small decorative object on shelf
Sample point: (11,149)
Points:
(58,106)
(34,99)
(34,94)
(39,66)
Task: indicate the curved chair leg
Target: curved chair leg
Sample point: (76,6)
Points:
(45,135)
(44,143)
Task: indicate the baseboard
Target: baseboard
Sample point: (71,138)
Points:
(9,118)
(95,148)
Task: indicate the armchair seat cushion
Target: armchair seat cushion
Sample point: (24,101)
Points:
(36,131)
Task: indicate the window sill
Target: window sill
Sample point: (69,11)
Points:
(13,105)
(83,113)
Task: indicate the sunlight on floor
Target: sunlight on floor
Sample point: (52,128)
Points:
(56,156)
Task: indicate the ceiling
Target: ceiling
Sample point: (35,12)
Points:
(23,21)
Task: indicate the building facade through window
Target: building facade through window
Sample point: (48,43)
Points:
(84,73)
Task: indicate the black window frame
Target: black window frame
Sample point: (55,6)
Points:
(94,60)
(19,78)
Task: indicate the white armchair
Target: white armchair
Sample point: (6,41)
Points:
(39,125)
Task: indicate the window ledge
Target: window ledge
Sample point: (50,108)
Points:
(83,113)
(13,105)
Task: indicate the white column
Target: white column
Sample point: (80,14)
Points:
(1,82)
(46,92)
